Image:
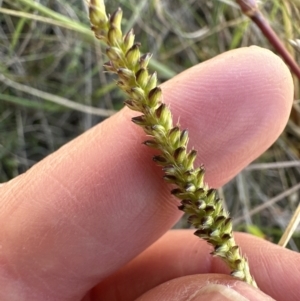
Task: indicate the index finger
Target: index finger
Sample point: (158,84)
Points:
(96,203)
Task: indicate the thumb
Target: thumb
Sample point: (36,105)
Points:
(205,287)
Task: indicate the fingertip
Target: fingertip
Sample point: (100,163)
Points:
(205,287)
(235,106)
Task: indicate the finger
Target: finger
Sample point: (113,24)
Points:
(99,201)
(179,253)
(204,287)
(234,111)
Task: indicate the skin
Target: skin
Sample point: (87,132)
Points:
(78,225)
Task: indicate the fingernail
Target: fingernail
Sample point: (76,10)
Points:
(217,292)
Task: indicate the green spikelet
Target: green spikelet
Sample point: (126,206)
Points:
(205,209)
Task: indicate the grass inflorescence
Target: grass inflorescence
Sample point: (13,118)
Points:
(205,209)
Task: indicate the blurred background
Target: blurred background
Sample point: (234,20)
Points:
(52,86)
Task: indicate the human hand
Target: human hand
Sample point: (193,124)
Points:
(71,225)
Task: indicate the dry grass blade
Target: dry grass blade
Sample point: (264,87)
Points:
(260,166)
(268,203)
(56,99)
(69,25)
(290,229)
